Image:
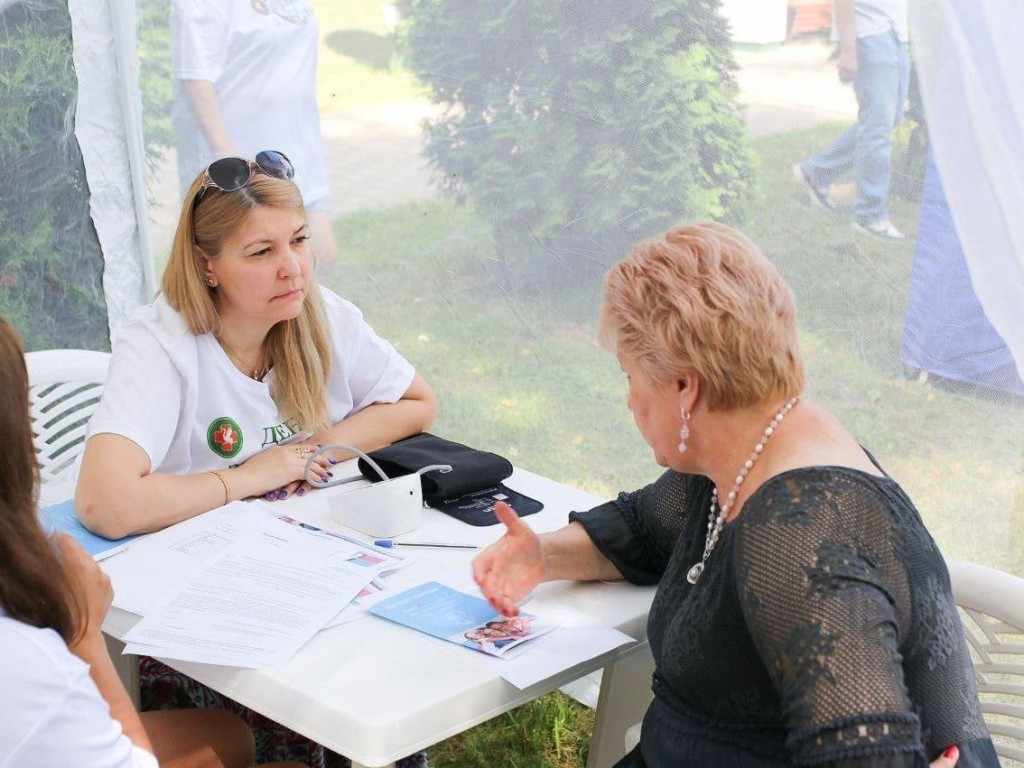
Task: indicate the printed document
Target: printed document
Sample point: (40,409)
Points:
(155,566)
(252,606)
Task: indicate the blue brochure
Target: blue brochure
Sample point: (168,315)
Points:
(459,618)
(61,518)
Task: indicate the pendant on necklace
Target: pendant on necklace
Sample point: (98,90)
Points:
(694,573)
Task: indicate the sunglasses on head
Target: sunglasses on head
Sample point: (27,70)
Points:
(230,174)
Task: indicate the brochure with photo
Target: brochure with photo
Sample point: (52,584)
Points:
(459,618)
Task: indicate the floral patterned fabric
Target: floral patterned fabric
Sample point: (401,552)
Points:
(165,688)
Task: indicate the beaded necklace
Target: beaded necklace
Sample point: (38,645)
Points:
(717,519)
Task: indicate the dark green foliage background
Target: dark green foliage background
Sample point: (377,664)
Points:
(50,262)
(578,127)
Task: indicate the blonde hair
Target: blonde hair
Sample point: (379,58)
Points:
(299,349)
(702,297)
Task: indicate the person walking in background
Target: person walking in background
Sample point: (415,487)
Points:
(245,74)
(873,55)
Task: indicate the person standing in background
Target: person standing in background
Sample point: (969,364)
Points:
(245,75)
(874,56)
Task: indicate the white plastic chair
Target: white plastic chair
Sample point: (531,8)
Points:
(992,608)
(64,389)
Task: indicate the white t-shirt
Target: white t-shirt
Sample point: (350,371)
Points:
(179,398)
(261,59)
(51,713)
(874,17)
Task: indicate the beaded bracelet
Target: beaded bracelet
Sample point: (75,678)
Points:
(219,476)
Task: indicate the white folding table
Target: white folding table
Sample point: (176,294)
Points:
(375,691)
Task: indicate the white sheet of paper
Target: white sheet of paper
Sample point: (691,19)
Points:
(253,606)
(360,552)
(155,566)
(555,652)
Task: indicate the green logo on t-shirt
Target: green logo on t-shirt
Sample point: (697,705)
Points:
(224,437)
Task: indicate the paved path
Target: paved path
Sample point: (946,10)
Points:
(792,87)
(373,153)
(373,156)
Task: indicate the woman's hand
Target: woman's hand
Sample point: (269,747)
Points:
(846,64)
(508,570)
(947,759)
(325,461)
(95,588)
(277,472)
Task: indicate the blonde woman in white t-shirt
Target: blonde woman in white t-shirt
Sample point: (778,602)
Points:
(220,389)
(241,353)
(61,702)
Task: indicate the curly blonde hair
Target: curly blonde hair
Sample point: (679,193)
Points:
(703,298)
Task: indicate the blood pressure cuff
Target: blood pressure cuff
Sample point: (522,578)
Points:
(468,493)
(472,470)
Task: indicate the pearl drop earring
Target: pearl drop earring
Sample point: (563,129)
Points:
(684,430)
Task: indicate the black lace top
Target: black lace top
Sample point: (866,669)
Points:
(822,631)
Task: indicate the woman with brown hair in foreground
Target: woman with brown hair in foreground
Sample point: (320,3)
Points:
(61,700)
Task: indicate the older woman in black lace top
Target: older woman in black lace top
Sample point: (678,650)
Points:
(804,615)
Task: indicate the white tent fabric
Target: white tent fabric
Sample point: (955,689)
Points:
(108,128)
(513,359)
(971,66)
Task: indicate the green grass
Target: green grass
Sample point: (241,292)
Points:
(359,65)
(518,371)
(959,456)
(522,375)
(551,732)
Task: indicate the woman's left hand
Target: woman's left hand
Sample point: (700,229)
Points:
(508,570)
(947,759)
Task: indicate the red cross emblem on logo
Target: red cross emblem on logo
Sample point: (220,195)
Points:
(224,437)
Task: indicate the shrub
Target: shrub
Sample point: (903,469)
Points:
(51,266)
(579,127)
(156,79)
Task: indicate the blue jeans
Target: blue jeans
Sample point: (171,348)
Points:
(883,73)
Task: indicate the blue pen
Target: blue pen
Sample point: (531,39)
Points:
(388,544)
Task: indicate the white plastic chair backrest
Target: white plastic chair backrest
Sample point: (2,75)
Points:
(632,737)
(992,608)
(64,389)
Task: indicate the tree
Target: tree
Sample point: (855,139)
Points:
(579,127)
(50,262)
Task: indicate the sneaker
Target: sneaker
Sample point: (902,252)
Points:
(818,197)
(881,228)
